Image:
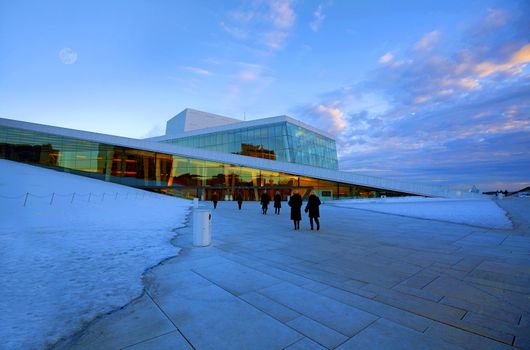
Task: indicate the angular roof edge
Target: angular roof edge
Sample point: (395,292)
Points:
(234,159)
(243,124)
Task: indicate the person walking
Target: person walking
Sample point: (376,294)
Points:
(295,202)
(312,207)
(277,202)
(215,199)
(239,199)
(265,200)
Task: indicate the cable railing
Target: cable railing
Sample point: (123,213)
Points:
(77,197)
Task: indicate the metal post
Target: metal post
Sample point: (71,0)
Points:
(53,195)
(26,199)
(89,195)
(73,196)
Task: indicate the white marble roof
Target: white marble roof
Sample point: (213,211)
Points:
(240,125)
(259,163)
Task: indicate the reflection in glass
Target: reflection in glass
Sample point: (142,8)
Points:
(280,141)
(167,173)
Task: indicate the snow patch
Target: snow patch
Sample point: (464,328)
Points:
(64,263)
(476,212)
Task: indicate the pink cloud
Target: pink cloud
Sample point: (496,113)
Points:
(513,66)
(386,58)
(332,113)
(428,41)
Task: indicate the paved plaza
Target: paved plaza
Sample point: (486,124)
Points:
(364,281)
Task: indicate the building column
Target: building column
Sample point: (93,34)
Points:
(108,165)
(255,184)
(146,171)
(157,171)
(171,174)
(233,182)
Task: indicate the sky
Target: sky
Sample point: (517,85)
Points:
(423,91)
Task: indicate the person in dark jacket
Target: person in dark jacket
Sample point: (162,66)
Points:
(277,203)
(239,199)
(265,200)
(295,202)
(215,198)
(313,202)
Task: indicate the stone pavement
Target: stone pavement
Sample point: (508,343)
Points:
(365,281)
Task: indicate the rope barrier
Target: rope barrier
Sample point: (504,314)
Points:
(76,195)
(38,196)
(16,197)
(63,195)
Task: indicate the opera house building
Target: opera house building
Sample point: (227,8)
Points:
(202,153)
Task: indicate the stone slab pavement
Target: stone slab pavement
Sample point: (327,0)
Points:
(364,281)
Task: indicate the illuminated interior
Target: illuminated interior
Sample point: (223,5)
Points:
(163,172)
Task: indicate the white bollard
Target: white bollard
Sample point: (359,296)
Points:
(202,235)
(195,203)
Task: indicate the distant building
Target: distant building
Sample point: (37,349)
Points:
(202,153)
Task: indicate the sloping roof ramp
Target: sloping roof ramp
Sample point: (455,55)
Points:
(259,163)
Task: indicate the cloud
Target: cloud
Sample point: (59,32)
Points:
(241,16)
(468,83)
(327,116)
(271,21)
(236,32)
(456,112)
(248,82)
(275,39)
(198,70)
(495,19)
(513,66)
(421,99)
(330,114)
(386,58)
(281,13)
(250,72)
(318,18)
(282,16)
(333,113)
(248,75)
(428,41)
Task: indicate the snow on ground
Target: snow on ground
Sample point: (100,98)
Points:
(63,264)
(476,212)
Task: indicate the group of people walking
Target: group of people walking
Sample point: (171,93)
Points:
(312,208)
(295,202)
(265,200)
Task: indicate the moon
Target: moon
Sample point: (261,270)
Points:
(68,56)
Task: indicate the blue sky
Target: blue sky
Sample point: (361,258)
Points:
(429,91)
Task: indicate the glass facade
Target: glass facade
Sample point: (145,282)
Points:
(161,172)
(283,141)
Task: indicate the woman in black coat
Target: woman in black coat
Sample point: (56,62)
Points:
(313,202)
(277,203)
(265,199)
(295,202)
